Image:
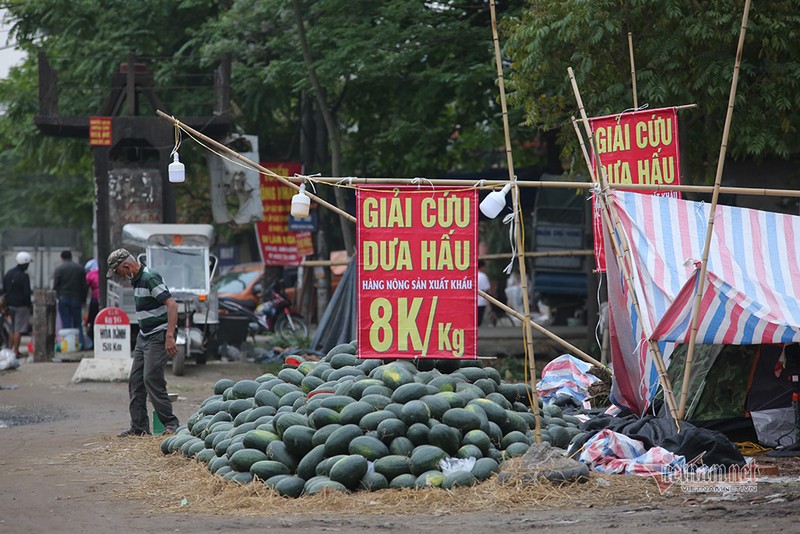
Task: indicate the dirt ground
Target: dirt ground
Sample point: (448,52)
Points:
(62,470)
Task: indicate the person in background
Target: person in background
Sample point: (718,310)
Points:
(157,314)
(17,287)
(69,281)
(484,285)
(93,282)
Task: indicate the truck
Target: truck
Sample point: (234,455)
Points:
(180,253)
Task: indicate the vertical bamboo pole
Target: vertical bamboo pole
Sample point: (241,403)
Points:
(526,329)
(622,251)
(710,229)
(633,72)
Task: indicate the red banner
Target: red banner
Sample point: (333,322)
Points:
(417,272)
(278,245)
(635,148)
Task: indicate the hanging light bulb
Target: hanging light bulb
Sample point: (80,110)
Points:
(301,204)
(177,171)
(493,204)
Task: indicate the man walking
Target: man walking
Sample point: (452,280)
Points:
(69,281)
(17,287)
(157,314)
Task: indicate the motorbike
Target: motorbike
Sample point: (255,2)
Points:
(273,315)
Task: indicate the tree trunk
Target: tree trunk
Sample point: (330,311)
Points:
(348,231)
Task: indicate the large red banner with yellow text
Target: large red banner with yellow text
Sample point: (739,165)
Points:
(635,148)
(417,272)
(278,245)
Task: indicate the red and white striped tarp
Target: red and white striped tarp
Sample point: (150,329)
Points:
(752,288)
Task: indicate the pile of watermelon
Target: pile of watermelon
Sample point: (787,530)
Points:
(350,424)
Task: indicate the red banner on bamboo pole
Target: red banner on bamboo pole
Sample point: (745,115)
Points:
(635,148)
(277,244)
(417,272)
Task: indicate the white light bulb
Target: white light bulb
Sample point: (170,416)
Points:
(177,171)
(493,204)
(301,204)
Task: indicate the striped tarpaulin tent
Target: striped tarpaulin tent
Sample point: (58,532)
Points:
(752,288)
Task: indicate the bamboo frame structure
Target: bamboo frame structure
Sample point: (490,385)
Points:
(545,332)
(687,372)
(549,184)
(526,329)
(622,249)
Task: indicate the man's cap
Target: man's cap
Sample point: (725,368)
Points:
(115,259)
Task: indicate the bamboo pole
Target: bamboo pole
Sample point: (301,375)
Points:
(622,251)
(633,72)
(254,165)
(542,330)
(489,184)
(543,254)
(710,229)
(526,329)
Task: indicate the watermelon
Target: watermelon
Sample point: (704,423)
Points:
(286,420)
(343,359)
(259,439)
(430,479)
(389,429)
(377,401)
(395,375)
(240,478)
(445,437)
(484,468)
(243,459)
(469,451)
(323,417)
(368,447)
(401,446)
(409,392)
(425,458)
(266,469)
(277,451)
(291,376)
(339,440)
(321,435)
(418,433)
(462,419)
(415,411)
(373,482)
(392,466)
(342,348)
(223,384)
(245,389)
(478,438)
(349,470)
(324,467)
(371,420)
(403,481)
(352,413)
(516,449)
(307,467)
(298,440)
(515,436)
(290,487)
(459,478)
(265,397)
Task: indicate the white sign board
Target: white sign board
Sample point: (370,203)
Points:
(112,334)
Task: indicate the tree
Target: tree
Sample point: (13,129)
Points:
(410,86)
(684,54)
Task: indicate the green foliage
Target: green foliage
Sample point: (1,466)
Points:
(684,54)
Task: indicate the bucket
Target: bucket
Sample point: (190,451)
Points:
(69,339)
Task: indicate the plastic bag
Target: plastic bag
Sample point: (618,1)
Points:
(8,360)
(451,465)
